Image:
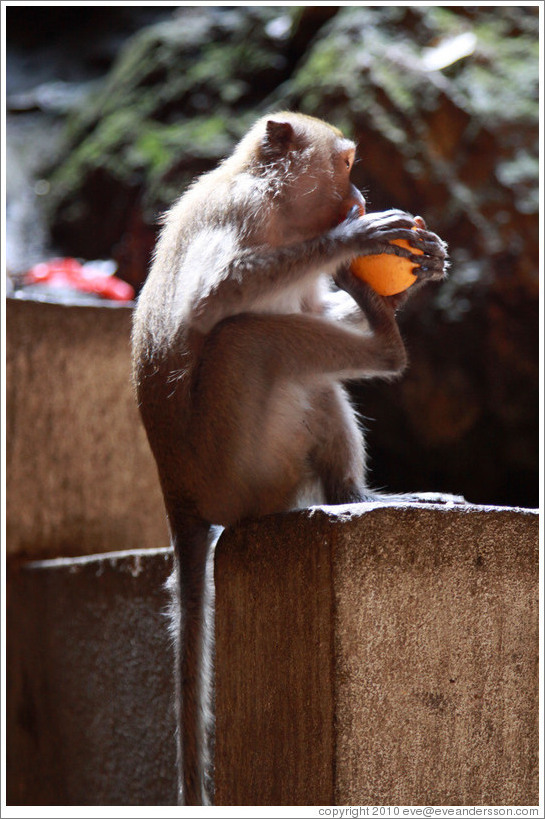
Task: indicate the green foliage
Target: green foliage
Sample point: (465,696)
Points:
(183,91)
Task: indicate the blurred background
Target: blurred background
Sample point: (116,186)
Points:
(113,110)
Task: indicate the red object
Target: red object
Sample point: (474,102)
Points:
(70,273)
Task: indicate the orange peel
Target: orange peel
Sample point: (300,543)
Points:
(387,274)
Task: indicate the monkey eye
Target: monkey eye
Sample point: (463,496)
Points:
(345,156)
(349,160)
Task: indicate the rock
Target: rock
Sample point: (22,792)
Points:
(443,102)
(165,114)
(459,146)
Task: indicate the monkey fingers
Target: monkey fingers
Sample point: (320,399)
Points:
(353,213)
(428,242)
(398,300)
(372,224)
(378,241)
(388,220)
(345,279)
(391,213)
(429,268)
(363,294)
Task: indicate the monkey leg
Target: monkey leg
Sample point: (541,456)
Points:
(339,455)
(266,385)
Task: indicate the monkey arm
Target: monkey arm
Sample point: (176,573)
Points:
(342,305)
(242,279)
(300,346)
(339,306)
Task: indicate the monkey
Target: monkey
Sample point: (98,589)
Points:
(244,333)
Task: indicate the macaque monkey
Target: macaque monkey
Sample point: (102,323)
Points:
(245,330)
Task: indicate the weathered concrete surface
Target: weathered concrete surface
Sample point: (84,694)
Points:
(90,690)
(378,656)
(80,475)
(365,655)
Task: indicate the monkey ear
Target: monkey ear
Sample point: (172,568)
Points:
(278,138)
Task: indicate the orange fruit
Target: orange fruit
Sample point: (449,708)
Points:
(387,274)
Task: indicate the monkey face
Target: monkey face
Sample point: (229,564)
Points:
(317,161)
(324,196)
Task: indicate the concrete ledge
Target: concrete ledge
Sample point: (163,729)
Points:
(80,475)
(365,655)
(378,656)
(90,691)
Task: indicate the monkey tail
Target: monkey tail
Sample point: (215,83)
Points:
(192,627)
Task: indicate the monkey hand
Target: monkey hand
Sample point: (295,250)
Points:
(372,304)
(373,234)
(433,263)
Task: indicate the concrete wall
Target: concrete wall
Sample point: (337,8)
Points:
(90,717)
(384,656)
(364,656)
(80,476)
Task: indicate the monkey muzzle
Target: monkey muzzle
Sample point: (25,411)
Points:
(355,204)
